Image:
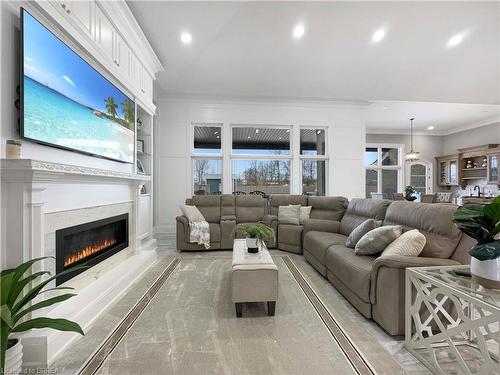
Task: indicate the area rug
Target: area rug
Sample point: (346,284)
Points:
(185,323)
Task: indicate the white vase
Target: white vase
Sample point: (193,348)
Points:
(251,243)
(486,272)
(14,358)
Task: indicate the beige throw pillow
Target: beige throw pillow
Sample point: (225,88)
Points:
(359,232)
(376,240)
(192,213)
(409,244)
(289,214)
(305,212)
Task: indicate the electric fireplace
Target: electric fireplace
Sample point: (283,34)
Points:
(89,244)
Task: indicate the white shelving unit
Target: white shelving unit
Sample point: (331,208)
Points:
(144,165)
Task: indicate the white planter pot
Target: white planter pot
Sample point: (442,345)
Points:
(486,272)
(251,243)
(14,358)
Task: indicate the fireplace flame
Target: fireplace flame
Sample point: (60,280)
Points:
(88,251)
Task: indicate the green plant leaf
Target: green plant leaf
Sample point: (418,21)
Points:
(6,316)
(18,288)
(57,324)
(5,286)
(37,289)
(57,288)
(492,212)
(42,304)
(486,251)
(468,212)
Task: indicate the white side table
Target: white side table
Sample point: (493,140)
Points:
(452,323)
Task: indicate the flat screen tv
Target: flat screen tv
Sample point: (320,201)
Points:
(66,103)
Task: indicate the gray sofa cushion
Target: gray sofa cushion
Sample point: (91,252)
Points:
(433,220)
(327,208)
(228,205)
(209,206)
(289,215)
(250,208)
(359,232)
(376,240)
(353,270)
(361,209)
(316,243)
(290,234)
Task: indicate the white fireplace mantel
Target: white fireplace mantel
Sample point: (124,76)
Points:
(36,194)
(29,170)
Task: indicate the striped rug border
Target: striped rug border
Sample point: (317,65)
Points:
(352,353)
(95,362)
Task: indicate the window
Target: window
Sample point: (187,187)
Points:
(313,160)
(268,176)
(313,177)
(207,159)
(312,142)
(383,170)
(260,141)
(207,176)
(207,139)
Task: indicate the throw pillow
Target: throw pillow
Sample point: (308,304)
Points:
(289,214)
(305,212)
(376,240)
(409,244)
(359,232)
(192,213)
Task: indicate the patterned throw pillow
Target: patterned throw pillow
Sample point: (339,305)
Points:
(376,240)
(289,214)
(409,244)
(359,232)
(305,212)
(192,213)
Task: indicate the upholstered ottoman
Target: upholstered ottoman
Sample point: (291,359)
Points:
(254,278)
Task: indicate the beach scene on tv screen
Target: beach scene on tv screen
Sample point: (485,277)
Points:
(68,103)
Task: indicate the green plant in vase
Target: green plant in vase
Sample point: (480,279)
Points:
(409,193)
(255,234)
(482,222)
(15,305)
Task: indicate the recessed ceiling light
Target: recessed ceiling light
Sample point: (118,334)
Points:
(218,136)
(248,137)
(378,35)
(455,40)
(186,38)
(216,133)
(430,127)
(318,132)
(298,31)
(288,130)
(257,131)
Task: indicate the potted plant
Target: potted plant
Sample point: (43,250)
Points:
(255,234)
(16,305)
(482,222)
(409,191)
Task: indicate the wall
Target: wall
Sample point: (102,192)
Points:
(9,125)
(474,137)
(346,140)
(429,146)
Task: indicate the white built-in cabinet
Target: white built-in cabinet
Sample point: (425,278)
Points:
(90,18)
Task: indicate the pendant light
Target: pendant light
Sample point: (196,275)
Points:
(412,155)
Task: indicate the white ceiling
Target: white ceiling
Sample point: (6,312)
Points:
(246,49)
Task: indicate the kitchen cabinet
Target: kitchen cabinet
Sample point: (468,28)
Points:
(493,177)
(448,170)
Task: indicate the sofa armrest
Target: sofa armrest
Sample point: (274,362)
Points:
(401,262)
(272,222)
(320,225)
(182,220)
(228,218)
(182,232)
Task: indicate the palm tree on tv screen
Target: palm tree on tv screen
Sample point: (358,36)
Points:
(128,111)
(111,106)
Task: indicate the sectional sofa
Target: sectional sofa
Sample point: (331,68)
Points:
(374,285)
